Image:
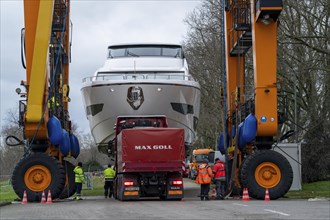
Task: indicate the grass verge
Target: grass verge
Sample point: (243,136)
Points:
(7,193)
(311,190)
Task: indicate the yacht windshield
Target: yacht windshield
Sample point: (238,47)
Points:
(145,50)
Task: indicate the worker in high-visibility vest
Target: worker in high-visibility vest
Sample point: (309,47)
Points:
(52,102)
(109,177)
(219,171)
(204,177)
(79,180)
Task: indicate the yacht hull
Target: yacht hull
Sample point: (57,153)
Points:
(105,100)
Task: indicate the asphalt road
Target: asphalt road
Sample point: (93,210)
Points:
(189,208)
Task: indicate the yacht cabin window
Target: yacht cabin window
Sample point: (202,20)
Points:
(145,50)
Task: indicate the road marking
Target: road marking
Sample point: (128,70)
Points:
(239,204)
(273,211)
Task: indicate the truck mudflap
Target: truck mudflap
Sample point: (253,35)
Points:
(126,187)
(175,187)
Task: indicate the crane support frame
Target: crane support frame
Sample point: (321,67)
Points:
(252,23)
(47,53)
(38,24)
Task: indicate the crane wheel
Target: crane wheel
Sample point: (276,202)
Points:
(70,185)
(266,169)
(36,173)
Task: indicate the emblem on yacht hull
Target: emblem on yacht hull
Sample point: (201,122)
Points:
(135,97)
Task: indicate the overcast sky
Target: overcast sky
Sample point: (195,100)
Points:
(96,25)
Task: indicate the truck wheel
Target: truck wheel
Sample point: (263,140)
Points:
(70,185)
(115,189)
(36,173)
(119,180)
(266,169)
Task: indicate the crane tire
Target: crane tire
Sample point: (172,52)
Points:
(70,185)
(240,174)
(266,169)
(37,173)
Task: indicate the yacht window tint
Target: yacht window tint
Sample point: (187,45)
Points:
(120,52)
(195,123)
(172,52)
(94,109)
(144,51)
(183,108)
(148,50)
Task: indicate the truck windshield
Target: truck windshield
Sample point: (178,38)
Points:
(201,157)
(145,50)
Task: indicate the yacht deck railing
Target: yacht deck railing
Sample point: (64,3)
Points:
(155,76)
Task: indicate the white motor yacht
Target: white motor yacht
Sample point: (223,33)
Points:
(138,80)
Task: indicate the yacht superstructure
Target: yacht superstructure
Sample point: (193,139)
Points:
(138,80)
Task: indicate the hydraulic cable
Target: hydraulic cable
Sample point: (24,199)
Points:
(58,54)
(237,101)
(23,52)
(18,141)
(286,136)
(224,81)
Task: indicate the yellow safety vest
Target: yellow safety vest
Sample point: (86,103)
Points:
(109,173)
(79,174)
(51,103)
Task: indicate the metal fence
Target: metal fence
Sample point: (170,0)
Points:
(88,181)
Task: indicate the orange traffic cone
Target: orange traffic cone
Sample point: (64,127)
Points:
(245,195)
(43,198)
(49,198)
(24,201)
(267,196)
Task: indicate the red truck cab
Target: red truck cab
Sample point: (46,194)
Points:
(149,158)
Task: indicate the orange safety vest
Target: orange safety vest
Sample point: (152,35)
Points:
(204,175)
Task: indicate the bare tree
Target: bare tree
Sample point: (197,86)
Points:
(10,155)
(304,57)
(89,153)
(203,51)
